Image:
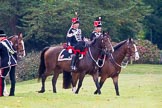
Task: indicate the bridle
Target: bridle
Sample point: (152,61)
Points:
(105,50)
(130,53)
(16,46)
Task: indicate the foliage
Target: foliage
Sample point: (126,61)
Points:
(148,52)
(45,22)
(27,68)
(153,23)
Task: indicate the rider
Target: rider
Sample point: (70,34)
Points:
(95,34)
(8,63)
(75,39)
(97,29)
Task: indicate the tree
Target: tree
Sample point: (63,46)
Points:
(153,23)
(45,22)
(8,19)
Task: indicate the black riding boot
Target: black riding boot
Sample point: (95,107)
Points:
(12,90)
(73,62)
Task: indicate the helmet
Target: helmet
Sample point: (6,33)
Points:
(97,23)
(2,34)
(75,19)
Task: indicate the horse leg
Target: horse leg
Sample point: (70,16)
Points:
(75,77)
(54,79)
(81,77)
(43,84)
(102,80)
(95,78)
(115,81)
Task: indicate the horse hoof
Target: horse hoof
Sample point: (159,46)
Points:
(41,91)
(99,93)
(76,92)
(95,92)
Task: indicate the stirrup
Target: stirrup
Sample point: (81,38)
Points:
(73,68)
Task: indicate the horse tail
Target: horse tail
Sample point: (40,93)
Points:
(42,66)
(67,79)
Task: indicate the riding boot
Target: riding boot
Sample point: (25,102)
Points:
(13,81)
(73,62)
(12,90)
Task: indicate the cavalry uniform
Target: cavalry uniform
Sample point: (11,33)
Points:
(8,63)
(75,40)
(74,36)
(95,34)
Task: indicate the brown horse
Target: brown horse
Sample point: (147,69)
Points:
(49,62)
(112,65)
(18,44)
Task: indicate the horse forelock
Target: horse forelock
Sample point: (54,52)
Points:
(119,45)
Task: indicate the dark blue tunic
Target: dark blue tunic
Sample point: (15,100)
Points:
(74,36)
(94,35)
(7,54)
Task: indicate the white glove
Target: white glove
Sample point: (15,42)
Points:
(69,44)
(75,33)
(70,50)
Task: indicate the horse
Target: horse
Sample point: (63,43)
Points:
(112,66)
(49,62)
(18,45)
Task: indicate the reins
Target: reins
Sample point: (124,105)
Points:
(96,61)
(125,63)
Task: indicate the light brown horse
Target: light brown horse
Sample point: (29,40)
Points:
(112,65)
(18,44)
(49,62)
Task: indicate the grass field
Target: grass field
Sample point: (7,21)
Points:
(140,86)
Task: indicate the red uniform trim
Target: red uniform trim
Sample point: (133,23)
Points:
(77,51)
(1,83)
(4,38)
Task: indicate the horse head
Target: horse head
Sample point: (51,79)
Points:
(107,42)
(132,49)
(18,44)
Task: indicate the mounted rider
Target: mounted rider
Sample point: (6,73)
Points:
(75,40)
(8,63)
(95,34)
(97,29)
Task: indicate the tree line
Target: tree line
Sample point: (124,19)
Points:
(45,22)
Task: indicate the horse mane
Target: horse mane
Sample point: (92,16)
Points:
(119,45)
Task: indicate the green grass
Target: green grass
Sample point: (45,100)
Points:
(142,69)
(140,86)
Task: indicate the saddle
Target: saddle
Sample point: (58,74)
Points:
(65,55)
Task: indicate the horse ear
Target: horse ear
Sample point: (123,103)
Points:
(20,36)
(103,32)
(130,40)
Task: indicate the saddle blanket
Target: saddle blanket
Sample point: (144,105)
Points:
(65,55)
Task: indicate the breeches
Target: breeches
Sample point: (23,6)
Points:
(3,73)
